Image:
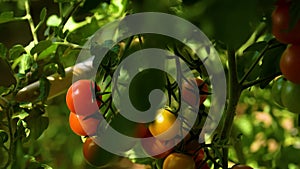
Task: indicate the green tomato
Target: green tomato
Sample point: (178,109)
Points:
(290,96)
(286,94)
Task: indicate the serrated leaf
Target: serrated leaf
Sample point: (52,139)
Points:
(258,46)
(270,64)
(44,89)
(3,50)
(6,17)
(43,14)
(37,125)
(16,51)
(41,46)
(7,77)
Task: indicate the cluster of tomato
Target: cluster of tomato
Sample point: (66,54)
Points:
(84,99)
(286,89)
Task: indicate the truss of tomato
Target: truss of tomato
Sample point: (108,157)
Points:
(188,92)
(81,97)
(281,23)
(289,63)
(157,148)
(241,166)
(178,161)
(286,94)
(165,125)
(95,155)
(84,126)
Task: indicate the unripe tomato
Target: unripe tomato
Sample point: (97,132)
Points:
(240,166)
(290,97)
(84,126)
(188,94)
(165,126)
(81,98)
(286,94)
(155,147)
(281,24)
(178,161)
(289,63)
(95,155)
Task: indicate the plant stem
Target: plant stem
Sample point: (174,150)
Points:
(260,80)
(234,89)
(30,21)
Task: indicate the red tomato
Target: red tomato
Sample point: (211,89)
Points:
(95,155)
(188,94)
(289,63)
(281,24)
(84,126)
(178,161)
(81,98)
(165,126)
(154,146)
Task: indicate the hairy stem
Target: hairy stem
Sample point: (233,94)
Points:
(30,21)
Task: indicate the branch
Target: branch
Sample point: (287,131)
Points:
(31,23)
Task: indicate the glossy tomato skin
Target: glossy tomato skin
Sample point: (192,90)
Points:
(81,97)
(165,125)
(178,161)
(189,96)
(156,148)
(281,23)
(290,97)
(289,63)
(84,126)
(95,155)
(241,166)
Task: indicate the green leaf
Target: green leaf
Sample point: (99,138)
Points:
(65,1)
(53,20)
(270,64)
(258,46)
(50,51)
(37,125)
(6,17)
(3,51)
(25,64)
(44,89)
(50,68)
(3,137)
(43,14)
(16,51)
(41,46)
(7,76)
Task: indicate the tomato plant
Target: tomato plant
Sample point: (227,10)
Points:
(178,161)
(282,27)
(95,155)
(81,98)
(84,126)
(165,125)
(289,63)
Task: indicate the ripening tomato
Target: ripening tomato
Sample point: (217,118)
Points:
(84,126)
(281,21)
(289,63)
(95,155)
(240,166)
(178,161)
(189,95)
(165,125)
(155,147)
(81,97)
